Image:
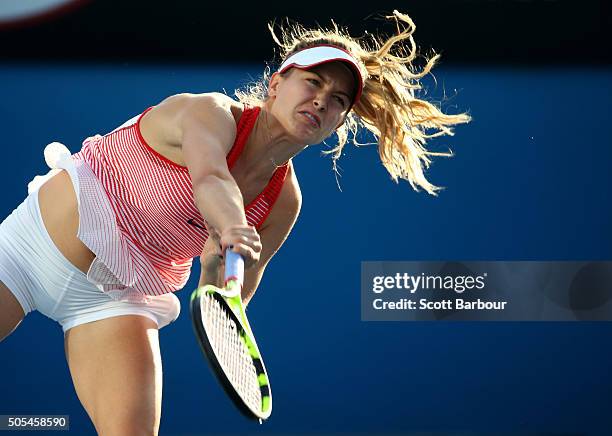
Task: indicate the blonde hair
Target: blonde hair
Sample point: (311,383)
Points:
(388,107)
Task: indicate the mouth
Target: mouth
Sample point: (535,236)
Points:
(314,120)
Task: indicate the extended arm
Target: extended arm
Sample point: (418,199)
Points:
(208,130)
(273,234)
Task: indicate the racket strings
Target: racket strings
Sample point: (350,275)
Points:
(231,352)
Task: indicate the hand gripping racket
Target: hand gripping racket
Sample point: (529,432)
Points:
(224,334)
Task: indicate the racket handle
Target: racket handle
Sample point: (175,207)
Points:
(234,266)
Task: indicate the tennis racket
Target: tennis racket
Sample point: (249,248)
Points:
(227,341)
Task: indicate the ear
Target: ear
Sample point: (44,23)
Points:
(273,85)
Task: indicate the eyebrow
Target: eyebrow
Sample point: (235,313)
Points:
(348,97)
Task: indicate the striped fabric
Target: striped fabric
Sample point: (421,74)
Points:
(138,213)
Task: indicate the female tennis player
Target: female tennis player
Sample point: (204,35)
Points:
(104,240)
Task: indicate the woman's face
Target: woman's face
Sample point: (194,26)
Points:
(312,104)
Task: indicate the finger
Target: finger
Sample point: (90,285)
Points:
(247,253)
(241,239)
(241,226)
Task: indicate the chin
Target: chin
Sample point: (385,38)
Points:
(305,136)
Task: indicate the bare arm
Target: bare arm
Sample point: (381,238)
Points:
(273,234)
(208,130)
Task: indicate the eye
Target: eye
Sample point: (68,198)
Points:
(340,100)
(314,81)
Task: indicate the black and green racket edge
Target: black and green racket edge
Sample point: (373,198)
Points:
(215,366)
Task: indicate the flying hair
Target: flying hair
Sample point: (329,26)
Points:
(389,108)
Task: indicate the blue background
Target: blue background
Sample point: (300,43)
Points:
(530,180)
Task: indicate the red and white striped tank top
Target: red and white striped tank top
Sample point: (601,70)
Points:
(138,214)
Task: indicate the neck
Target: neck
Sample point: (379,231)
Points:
(269,146)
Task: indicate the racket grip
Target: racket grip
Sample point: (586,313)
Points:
(234,266)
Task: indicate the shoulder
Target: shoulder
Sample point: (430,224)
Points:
(212,105)
(210,101)
(288,205)
(186,100)
(291,195)
(177,113)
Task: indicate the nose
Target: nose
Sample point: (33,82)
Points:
(320,103)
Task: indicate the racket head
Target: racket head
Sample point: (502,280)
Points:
(254,401)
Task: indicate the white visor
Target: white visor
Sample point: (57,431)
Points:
(322,54)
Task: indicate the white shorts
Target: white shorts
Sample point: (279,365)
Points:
(42,279)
